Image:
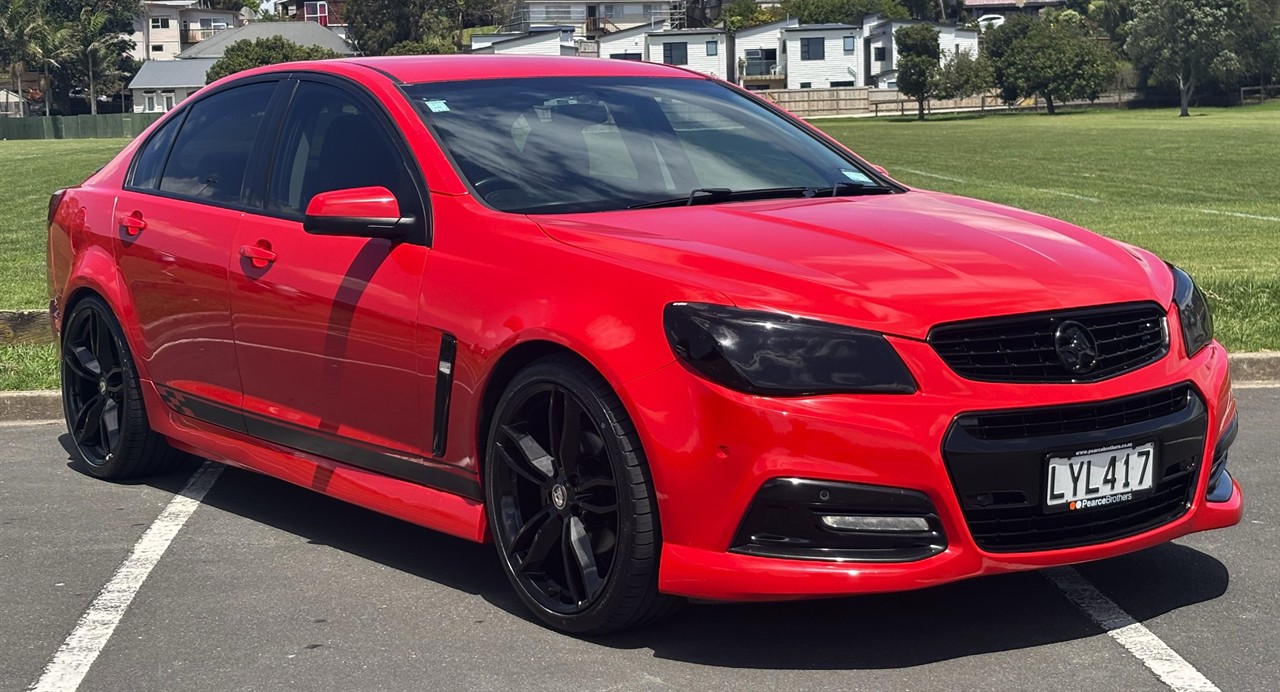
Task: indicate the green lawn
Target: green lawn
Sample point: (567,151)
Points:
(1203,192)
(1185,188)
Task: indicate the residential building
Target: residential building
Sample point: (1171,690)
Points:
(757,55)
(301,33)
(592,19)
(879,58)
(701,50)
(822,56)
(326,13)
(162,84)
(557,42)
(168,27)
(482,40)
(627,44)
(1008,8)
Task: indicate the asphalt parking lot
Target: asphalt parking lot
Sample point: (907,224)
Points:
(268,586)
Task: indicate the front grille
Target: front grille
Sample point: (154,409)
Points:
(998,463)
(1022,349)
(1077,418)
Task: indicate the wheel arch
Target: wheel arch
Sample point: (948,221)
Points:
(95,274)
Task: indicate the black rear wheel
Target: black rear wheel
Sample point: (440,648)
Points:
(101,398)
(570,501)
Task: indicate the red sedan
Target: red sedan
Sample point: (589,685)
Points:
(647,333)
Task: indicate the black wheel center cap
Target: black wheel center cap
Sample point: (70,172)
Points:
(102,386)
(559,496)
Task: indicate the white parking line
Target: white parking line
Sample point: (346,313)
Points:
(1172,669)
(932,175)
(1239,215)
(1072,195)
(72,661)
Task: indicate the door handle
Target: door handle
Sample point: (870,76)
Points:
(259,255)
(133,224)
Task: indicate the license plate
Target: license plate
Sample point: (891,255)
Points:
(1100,478)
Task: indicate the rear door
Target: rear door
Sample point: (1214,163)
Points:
(329,350)
(176,221)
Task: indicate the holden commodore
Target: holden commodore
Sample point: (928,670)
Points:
(647,333)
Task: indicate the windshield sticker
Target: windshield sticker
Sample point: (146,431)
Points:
(437,106)
(856,176)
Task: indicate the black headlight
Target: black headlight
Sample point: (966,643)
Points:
(771,353)
(1193,312)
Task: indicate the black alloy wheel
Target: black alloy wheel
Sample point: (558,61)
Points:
(101,398)
(570,502)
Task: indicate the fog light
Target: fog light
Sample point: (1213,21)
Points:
(844,522)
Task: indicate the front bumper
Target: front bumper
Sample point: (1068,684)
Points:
(712,450)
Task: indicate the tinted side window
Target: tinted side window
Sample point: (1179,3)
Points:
(150,161)
(331,141)
(211,153)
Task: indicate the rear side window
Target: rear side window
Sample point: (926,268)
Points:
(211,152)
(330,140)
(150,161)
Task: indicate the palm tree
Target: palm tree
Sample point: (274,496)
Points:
(89,41)
(17,28)
(51,48)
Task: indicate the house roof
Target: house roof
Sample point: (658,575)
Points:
(638,29)
(762,28)
(522,39)
(301,33)
(686,32)
(822,27)
(168,74)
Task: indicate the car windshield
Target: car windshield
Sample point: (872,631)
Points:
(565,145)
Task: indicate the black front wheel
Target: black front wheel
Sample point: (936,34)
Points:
(102,400)
(570,501)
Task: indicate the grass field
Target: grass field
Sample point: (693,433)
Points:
(1203,192)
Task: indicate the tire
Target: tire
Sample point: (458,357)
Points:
(101,398)
(576,528)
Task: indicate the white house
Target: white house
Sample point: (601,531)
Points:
(821,56)
(880,54)
(757,58)
(483,40)
(558,42)
(167,27)
(162,84)
(591,18)
(627,44)
(702,50)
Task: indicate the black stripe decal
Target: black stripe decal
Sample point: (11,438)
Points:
(415,469)
(444,386)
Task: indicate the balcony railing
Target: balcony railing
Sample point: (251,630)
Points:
(198,35)
(764,68)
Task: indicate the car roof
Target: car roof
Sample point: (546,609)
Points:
(413,69)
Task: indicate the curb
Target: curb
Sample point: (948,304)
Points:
(1246,368)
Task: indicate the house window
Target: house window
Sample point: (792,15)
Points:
(168,101)
(713,48)
(609,11)
(151,103)
(806,85)
(626,56)
(675,53)
(317,12)
(557,12)
(878,54)
(848,44)
(651,11)
(846,83)
(159,22)
(210,23)
(157,48)
(813,49)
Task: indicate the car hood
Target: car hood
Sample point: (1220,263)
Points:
(898,264)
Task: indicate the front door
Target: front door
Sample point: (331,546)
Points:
(330,354)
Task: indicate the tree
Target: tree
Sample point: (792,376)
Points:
(962,76)
(1185,42)
(841,11)
(246,54)
(19,26)
(1056,60)
(95,55)
(51,49)
(918,53)
(375,26)
(744,14)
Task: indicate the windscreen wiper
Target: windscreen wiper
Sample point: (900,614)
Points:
(716,195)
